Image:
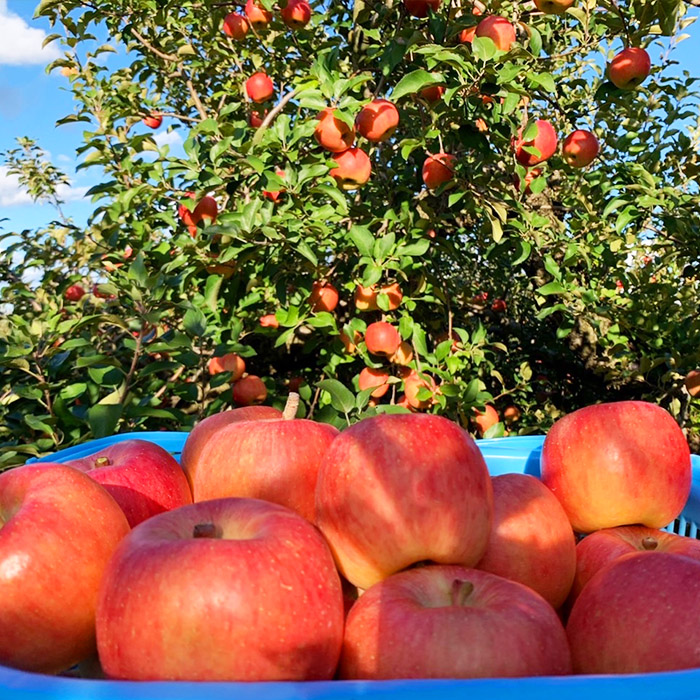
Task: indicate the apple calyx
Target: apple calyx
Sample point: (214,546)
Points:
(205,530)
(650,543)
(461,590)
(290,408)
(103,462)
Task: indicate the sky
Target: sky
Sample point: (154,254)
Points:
(31,101)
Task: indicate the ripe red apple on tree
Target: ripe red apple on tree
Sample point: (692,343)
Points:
(605,471)
(74,293)
(332,133)
(485,419)
(498,306)
(377,120)
(452,622)
(296,14)
(638,615)
(259,87)
(235,25)
(249,390)
(257,15)
(438,168)
(376,378)
(412,384)
(531,540)
(153,121)
(58,530)
(352,170)
(382,338)
(601,548)
(545,142)
(692,382)
(349,344)
(142,477)
(274,195)
(554,7)
(230,362)
(255,119)
(323,297)
(366,297)
(403,355)
(233,589)
(419,8)
(432,93)
(580,148)
(499,30)
(385,502)
(269,321)
(630,68)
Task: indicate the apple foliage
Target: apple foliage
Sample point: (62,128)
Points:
(578,288)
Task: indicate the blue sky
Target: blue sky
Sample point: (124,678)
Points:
(31,101)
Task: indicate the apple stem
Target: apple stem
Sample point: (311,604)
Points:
(290,409)
(649,543)
(102,462)
(205,530)
(461,590)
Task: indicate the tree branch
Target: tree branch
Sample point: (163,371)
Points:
(143,41)
(272,114)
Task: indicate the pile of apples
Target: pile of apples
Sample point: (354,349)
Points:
(281,549)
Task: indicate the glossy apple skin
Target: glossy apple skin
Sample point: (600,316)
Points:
(553,7)
(153,121)
(352,170)
(142,477)
(603,547)
(498,29)
(296,14)
(58,530)
(259,87)
(377,120)
(333,134)
(324,297)
(419,8)
(249,390)
(257,15)
(616,464)
(382,338)
(208,428)
(580,148)
(384,501)
(260,601)
(274,460)
(545,142)
(235,25)
(438,168)
(531,540)
(630,68)
(427,623)
(638,615)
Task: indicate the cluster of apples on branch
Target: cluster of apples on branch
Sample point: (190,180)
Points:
(281,549)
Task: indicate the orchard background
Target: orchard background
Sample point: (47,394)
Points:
(560,286)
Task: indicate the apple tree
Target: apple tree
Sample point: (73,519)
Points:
(486,210)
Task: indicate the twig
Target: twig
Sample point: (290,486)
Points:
(272,114)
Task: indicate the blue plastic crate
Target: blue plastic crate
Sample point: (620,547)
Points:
(503,455)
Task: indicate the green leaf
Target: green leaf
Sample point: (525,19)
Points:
(383,246)
(416,250)
(551,288)
(305,249)
(211,291)
(137,271)
(522,252)
(194,322)
(484,48)
(103,419)
(342,398)
(415,81)
(363,239)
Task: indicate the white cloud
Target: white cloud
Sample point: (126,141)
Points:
(12,194)
(21,44)
(64,158)
(168,138)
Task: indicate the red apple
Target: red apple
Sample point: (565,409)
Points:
(419,8)
(230,362)
(638,615)
(438,168)
(601,548)
(545,142)
(296,14)
(274,195)
(257,15)
(498,306)
(692,382)
(323,297)
(58,530)
(412,385)
(374,378)
(232,589)
(206,208)
(249,390)
(142,477)
(580,148)
(377,120)
(269,321)
(606,471)
(259,87)
(235,25)
(153,121)
(630,68)
(382,338)
(74,293)
(466,36)
(255,119)
(485,419)
(498,29)
(452,622)
(275,459)
(403,355)
(333,134)
(353,169)
(433,93)
(553,7)
(531,539)
(384,501)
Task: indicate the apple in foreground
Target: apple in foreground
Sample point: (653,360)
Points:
(333,134)
(259,87)
(377,120)
(499,30)
(605,546)
(531,539)
(276,460)
(638,615)
(545,143)
(58,530)
(352,169)
(142,477)
(452,622)
(630,68)
(580,148)
(384,501)
(233,589)
(620,463)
